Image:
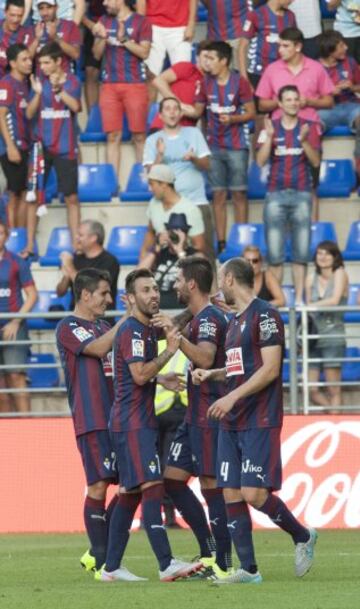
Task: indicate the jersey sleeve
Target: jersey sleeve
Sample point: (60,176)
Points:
(355,69)
(6,94)
(183,70)
(25,275)
(270,329)
(325,84)
(145,33)
(74,338)
(74,35)
(245,90)
(201,96)
(314,137)
(149,155)
(210,330)
(72,86)
(131,345)
(265,89)
(194,218)
(250,26)
(201,147)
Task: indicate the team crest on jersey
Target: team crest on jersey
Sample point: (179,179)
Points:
(107,463)
(137,347)
(234,362)
(268,327)
(81,334)
(152,467)
(231,96)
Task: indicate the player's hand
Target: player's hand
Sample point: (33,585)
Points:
(173,381)
(10,330)
(180,246)
(13,154)
(199,375)
(99,30)
(173,338)
(160,146)
(51,29)
(220,408)
(66,258)
(304,132)
(125,300)
(189,32)
(269,127)
(39,29)
(36,84)
(161,320)
(163,239)
(225,119)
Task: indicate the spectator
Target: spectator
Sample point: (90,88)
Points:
(124,37)
(182,81)
(55,103)
(90,253)
(73,10)
(52,29)
(162,261)
(11,32)
(15,277)
(292,145)
(165,202)
(308,19)
(229,104)
(173,25)
(95,10)
(345,74)
(326,287)
(185,150)
(258,46)
(266,285)
(15,131)
(347,22)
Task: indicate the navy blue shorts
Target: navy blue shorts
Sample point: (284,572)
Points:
(249,458)
(194,450)
(137,456)
(98,457)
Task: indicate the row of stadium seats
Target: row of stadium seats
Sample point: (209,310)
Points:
(125,241)
(97,183)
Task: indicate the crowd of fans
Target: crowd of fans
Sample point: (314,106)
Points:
(267,81)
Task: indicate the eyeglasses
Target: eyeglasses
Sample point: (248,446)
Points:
(253,260)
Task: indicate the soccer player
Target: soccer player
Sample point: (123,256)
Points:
(11,32)
(251,415)
(85,343)
(194,449)
(229,104)
(15,131)
(292,145)
(134,429)
(55,102)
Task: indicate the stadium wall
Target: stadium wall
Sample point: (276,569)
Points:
(43,485)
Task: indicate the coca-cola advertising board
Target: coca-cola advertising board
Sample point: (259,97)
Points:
(43,483)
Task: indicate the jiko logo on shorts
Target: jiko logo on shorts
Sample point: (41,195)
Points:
(321,472)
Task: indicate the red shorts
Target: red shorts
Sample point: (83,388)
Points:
(117,98)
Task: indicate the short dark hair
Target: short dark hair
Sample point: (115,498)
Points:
(133,276)
(89,279)
(328,42)
(14,50)
(287,88)
(241,270)
(165,99)
(332,248)
(293,34)
(51,49)
(18,3)
(199,269)
(203,46)
(222,49)
(96,228)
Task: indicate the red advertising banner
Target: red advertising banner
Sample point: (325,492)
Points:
(43,485)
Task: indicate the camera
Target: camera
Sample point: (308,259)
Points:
(174,237)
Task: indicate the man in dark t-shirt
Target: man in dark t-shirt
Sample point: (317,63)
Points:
(92,254)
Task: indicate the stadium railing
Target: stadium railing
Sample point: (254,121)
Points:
(297,361)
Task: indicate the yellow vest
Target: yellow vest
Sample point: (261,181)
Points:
(164,398)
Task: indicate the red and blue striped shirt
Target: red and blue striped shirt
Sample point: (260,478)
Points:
(14,95)
(68,32)
(226,18)
(15,275)
(24,34)
(345,69)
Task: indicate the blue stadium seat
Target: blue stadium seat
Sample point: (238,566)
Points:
(338,131)
(321,231)
(60,241)
(352,249)
(42,377)
(202,13)
(125,243)
(257,181)
(119,305)
(94,130)
(97,183)
(153,110)
(354,292)
(337,178)
(241,235)
(137,188)
(17,241)
(350,371)
(325,12)
(48,300)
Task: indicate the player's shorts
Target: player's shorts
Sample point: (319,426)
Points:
(119,98)
(89,59)
(16,173)
(66,172)
(137,456)
(15,355)
(194,450)
(98,457)
(250,458)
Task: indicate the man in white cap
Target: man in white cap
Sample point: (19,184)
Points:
(165,202)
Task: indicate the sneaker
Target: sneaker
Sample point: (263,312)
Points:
(177,569)
(88,561)
(304,554)
(209,573)
(119,575)
(220,574)
(240,576)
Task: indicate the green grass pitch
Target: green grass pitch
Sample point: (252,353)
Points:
(43,572)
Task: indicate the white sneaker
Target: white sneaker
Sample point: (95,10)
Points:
(178,568)
(119,575)
(240,576)
(304,554)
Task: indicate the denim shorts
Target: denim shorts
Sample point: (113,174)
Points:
(229,169)
(288,210)
(341,114)
(11,355)
(326,352)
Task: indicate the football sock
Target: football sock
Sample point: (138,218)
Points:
(277,511)
(119,529)
(218,521)
(240,528)
(152,498)
(192,512)
(110,508)
(96,528)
